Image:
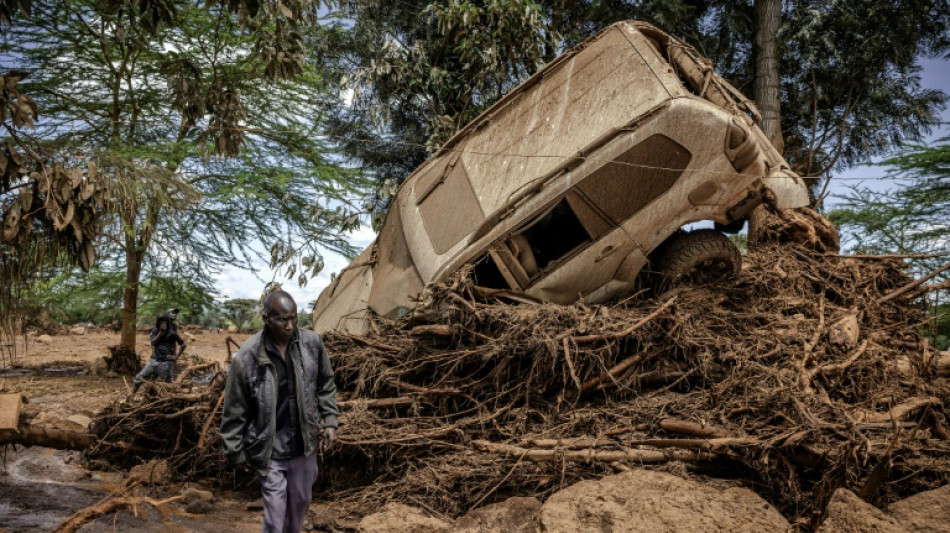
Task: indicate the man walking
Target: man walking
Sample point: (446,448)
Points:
(164,337)
(279,390)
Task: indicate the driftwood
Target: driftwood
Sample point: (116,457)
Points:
(898,412)
(685,427)
(592,455)
(49,437)
(110,505)
(914,284)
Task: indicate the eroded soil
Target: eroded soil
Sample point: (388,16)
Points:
(40,487)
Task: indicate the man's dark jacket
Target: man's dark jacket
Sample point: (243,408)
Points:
(248,420)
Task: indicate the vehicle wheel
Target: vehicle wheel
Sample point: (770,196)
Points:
(696,258)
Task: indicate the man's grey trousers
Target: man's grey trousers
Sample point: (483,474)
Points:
(287,488)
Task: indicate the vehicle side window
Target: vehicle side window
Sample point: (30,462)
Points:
(636,178)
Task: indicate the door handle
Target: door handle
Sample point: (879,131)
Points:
(604,253)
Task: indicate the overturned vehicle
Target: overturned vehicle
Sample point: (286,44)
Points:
(575,183)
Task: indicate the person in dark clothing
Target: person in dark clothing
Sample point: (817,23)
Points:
(279,404)
(164,338)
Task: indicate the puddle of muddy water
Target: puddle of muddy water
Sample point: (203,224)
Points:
(50,371)
(40,487)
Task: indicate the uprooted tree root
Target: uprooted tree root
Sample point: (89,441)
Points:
(806,374)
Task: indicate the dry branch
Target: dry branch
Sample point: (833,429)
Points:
(49,437)
(913,284)
(592,455)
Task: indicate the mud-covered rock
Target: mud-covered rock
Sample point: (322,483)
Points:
(81,422)
(845,332)
(199,507)
(655,502)
(847,513)
(925,512)
(514,515)
(192,494)
(399,518)
(154,472)
(99,367)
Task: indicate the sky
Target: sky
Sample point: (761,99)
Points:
(242,283)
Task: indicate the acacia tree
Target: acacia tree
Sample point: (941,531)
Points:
(160,103)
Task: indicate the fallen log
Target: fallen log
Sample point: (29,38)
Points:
(48,437)
(592,455)
(435,330)
(381,403)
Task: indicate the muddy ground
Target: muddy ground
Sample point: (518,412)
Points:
(40,487)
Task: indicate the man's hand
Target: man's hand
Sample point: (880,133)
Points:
(328,442)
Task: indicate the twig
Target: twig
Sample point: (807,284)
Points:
(631,329)
(570,364)
(837,368)
(204,430)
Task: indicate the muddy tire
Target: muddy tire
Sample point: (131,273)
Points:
(698,257)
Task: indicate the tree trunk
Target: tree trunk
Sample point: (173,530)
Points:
(768,82)
(124,360)
(133,273)
(768,89)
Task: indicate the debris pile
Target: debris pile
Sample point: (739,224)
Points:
(177,422)
(806,374)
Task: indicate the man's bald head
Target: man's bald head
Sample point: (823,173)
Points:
(278,302)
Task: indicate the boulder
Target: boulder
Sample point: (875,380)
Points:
(50,420)
(44,339)
(514,515)
(99,367)
(192,494)
(199,507)
(154,472)
(847,513)
(655,502)
(399,518)
(78,330)
(925,512)
(80,421)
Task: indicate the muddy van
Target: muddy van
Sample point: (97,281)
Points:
(573,183)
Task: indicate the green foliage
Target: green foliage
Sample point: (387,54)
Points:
(909,219)
(72,297)
(157,105)
(939,326)
(243,313)
(96,297)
